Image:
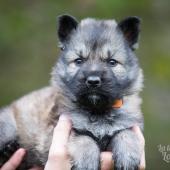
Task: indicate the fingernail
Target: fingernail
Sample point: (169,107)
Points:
(21,151)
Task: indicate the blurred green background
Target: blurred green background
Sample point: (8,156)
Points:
(28,50)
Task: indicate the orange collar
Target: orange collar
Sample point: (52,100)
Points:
(117,103)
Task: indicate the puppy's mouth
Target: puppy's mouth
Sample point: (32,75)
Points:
(94,98)
(95,101)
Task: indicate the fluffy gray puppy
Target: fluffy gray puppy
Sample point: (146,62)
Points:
(96,80)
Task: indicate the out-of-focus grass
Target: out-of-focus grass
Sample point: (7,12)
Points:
(28,50)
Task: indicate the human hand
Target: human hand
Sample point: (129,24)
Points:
(14,161)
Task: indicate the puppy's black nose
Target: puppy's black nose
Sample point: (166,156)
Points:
(93,81)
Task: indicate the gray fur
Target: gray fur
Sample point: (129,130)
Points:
(97,125)
(7,131)
(88,157)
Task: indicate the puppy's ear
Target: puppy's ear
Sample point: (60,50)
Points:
(66,25)
(131,27)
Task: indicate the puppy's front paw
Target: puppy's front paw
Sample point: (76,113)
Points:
(126,162)
(85,153)
(126,150)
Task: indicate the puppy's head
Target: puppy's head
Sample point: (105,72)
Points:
(97,64)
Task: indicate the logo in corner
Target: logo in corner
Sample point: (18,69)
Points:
(165,151)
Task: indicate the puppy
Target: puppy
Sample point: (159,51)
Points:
(96,80)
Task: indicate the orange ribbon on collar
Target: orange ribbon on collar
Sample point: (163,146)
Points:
(117,103)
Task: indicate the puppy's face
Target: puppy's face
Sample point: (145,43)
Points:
(97,63)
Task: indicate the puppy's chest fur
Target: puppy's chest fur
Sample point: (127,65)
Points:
(103,127)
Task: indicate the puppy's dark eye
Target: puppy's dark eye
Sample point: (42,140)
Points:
(78,61)
(112,62)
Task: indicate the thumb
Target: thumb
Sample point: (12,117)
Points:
(106,161)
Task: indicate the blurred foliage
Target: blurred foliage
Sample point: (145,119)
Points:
(28,50)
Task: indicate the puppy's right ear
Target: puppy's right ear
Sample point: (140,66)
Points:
(66,25)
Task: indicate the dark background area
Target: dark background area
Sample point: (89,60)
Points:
(28,50)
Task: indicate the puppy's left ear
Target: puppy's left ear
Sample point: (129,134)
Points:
(131,27)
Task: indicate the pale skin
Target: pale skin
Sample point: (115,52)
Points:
(58,158)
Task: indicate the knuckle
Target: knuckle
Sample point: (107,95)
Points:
(58,155)
(59,129)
